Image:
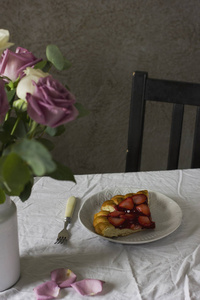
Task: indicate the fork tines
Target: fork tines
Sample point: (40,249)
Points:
(60,240)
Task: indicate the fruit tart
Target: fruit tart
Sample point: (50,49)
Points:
(123,215)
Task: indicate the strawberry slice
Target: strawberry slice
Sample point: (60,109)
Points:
(116,221)
(127,203)
(116,213)
(139,198)
(146,222)
(130,216)
(143,208)
(135,226)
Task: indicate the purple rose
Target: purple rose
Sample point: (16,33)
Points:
(51,103)
(4,105)
(13,64)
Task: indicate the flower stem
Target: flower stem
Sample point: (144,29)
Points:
(15,125)
(7,115)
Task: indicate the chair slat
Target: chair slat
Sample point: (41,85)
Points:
(172,91)
(175,136)
(196,144)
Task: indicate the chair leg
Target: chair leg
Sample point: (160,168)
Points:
(196,144)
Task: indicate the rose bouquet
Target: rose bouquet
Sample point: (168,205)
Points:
(33,108)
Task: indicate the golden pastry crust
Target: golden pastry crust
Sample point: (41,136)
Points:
(101,221)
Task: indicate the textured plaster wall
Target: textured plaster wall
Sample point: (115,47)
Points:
(106,40)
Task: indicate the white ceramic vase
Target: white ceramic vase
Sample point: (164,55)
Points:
(9,246)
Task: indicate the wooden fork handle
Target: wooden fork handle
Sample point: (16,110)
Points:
(71,202)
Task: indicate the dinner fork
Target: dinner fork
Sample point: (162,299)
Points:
(63,235)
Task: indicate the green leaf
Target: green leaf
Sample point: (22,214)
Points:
(47,143)
(13,84)
(55,131)
(35,155)
(56,58)
(20,130)
(27,191)
(81,109)
(14,174)
(10,85)
(51,131)
(62,173)
(8,124)
(2,196)
(41,64)
(47,67)
(5,137)
(10,95)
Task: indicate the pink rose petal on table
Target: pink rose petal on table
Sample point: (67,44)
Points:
(47,290)
(63,277)
(89,287)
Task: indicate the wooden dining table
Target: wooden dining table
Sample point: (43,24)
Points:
(164,263)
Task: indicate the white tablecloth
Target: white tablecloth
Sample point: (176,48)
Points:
(167,269)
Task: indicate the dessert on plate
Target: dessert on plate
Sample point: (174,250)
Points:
(123,215)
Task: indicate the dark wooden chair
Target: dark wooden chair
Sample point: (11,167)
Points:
(178,93)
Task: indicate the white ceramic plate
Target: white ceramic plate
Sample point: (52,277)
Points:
(164,211)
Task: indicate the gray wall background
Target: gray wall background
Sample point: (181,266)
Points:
(106,40)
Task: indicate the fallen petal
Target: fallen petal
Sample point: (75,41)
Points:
(88,287)
(47,290)
(63,277)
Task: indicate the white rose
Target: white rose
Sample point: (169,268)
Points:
(4,38)
(26,83)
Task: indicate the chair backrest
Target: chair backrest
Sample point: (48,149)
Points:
(178,93)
